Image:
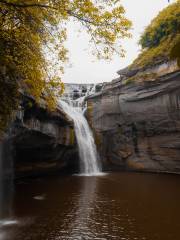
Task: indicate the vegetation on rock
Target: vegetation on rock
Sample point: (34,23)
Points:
(175,52)
(160,37)
(32,29)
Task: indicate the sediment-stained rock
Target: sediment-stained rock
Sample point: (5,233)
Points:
(137,123)
(43,142)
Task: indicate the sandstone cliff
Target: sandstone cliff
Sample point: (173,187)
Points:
(136,119)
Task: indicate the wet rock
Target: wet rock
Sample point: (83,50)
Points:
(75,90)
(43,142)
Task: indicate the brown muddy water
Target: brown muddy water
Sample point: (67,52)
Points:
(124,206)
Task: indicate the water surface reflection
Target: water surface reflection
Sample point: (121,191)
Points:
(119,206)
(78,220)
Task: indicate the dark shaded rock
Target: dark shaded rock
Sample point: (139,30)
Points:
(127,72)
(76,95)
(138,125)
(43,142)
(98,87)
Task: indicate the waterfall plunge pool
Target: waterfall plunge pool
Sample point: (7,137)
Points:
(122,206)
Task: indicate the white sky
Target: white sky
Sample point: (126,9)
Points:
(84,68)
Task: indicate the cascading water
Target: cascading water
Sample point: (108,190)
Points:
(1,180)
(6,185)
(87,148)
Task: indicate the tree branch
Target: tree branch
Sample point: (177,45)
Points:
(22,5)
(80,18)
(69,12)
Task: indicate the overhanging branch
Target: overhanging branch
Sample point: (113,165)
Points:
(38,5)
(23,5)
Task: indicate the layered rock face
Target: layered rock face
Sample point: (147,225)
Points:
(136,120)
(43,142)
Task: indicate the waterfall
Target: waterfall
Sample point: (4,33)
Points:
(1,180)
(89,164)
(6,184)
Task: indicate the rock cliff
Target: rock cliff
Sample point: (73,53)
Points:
(136,119)
(41,142)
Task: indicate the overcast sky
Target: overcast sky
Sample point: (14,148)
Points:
(84,68)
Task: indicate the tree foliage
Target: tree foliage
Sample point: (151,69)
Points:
(161,38)
(175,52)
(32,29)
(166,23)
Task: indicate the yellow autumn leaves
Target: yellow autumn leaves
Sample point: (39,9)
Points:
(161,39)
(30,29)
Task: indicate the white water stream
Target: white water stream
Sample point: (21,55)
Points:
(89,164)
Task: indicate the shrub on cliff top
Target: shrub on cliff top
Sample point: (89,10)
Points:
(166,23)
(160,37)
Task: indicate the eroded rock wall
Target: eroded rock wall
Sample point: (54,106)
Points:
(43,142)
(137,124)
